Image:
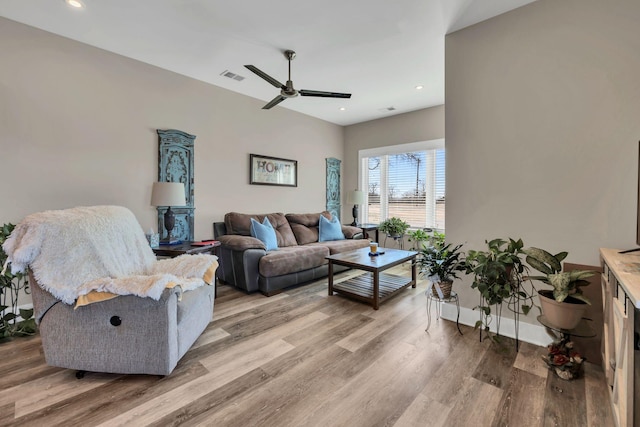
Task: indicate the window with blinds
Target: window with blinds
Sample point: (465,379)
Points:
(406,184)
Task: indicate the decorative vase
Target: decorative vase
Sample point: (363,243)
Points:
(563,315)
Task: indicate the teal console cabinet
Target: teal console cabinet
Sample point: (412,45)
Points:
(175,164)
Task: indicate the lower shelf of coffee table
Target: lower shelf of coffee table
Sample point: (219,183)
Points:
(361,287)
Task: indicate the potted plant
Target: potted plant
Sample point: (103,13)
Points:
(567,363)
(564,305)
(440,264)
(10,287)
(394,227)
(498,275)
(420,236)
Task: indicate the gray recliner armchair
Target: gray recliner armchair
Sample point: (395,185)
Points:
(102,301)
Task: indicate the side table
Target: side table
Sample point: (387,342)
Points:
(173,251)
(369,227)
(439,301)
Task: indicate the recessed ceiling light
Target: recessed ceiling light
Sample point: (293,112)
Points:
(342,109)
(75,3)
(419,87)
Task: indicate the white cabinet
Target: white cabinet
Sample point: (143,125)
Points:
(620,286)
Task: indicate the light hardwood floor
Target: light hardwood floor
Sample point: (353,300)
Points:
(302,358)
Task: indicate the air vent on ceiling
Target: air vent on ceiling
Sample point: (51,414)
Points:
(234,76)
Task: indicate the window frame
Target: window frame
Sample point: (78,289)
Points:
(433,144)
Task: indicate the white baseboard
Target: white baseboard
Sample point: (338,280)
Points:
(533,334)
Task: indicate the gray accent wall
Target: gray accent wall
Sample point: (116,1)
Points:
(542,128)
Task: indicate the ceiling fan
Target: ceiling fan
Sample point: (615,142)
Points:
(287,91)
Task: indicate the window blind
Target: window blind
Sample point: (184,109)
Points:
(409,185)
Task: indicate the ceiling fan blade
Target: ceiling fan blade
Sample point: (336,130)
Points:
(304,92)
(265,76)
(275,101)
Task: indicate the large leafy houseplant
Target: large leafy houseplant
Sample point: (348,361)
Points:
(13,321)
(565,283)
(563,306)
(498,275)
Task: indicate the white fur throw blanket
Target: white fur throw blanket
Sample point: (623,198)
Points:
(98,248)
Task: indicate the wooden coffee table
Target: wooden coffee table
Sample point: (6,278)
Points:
(374,287)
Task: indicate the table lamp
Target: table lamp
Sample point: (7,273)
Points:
(168,194)
(356,197)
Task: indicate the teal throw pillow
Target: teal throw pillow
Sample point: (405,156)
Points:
(265,233)
(329,229)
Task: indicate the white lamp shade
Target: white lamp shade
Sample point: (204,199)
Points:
(356,197)
(168,194)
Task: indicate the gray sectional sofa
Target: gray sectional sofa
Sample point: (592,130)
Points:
(300,257)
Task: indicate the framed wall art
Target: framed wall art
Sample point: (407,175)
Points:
(265,170)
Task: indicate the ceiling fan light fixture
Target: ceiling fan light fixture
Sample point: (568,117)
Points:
(77,4)
(288,91)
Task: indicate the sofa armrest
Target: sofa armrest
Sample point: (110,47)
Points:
(239,258)
(240,243)
(219,229)
(351,232)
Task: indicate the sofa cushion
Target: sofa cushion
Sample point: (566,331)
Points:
(239,223)
(305,226)
(350,231)
(292,259)
(339,246)
(329,230)
(265,233)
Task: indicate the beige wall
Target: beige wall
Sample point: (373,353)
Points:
(420,125)
(542,128)
(78,127)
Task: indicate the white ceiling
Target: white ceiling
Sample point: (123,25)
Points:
(378,50)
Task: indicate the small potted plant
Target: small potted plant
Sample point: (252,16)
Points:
(567,363)
(394,227)
(14,321)
(564,305)
(420,237)
(440,264)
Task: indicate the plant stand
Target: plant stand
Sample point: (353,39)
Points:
(399,240)
(439,301)
(566,363)
(514,304)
